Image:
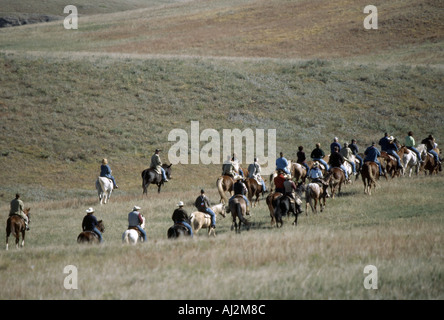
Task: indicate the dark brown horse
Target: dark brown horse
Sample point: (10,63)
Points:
(150,176)
(335,178)
(178,230)
(91,236)
(254,189)
(369,173)
(16,225)
(238,208)
(224,184)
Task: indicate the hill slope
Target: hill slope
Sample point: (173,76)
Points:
(258,28)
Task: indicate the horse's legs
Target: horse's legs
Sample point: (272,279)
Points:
(23,239)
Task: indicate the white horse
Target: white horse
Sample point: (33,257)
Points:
(410,160)
(131,235)
(104,188)
(201,220)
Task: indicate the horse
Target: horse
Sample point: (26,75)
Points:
(238,208)
(150,176)
(315,193)
(369,173)
(16,225)
(224,184)
(335,178)
(429,161)
(104,188)
(132,234)
(410,161)
(298,171)
(178,230)
(201,220)
(91,236)
(271,202)
(431,165)
(254,189)
(283,207)
(391,164)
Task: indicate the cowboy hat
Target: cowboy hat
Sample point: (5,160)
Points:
(315,164)
(180,204)
(89,210)
(135,208)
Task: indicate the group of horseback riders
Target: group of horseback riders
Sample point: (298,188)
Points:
(282,181)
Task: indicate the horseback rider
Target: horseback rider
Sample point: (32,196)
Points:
(289,188)
(236,165)
(180,216)
(318,154)
(279,182)
(410,144)
(254,171)
(430,145)
(337,160)
(17,208)
(90,223)
(202,204)
(239,188)
(392,150)
(371,154)
(301,158)
(384,142)
(135,220)
(228,168)
(105,171)
(354,148)
(316,176)
(156,164)
(347,153)
(282,163)
(334,144)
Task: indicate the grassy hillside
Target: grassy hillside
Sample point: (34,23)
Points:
(62,115)
(258,28)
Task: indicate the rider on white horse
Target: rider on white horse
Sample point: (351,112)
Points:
(410,144)
(105,171)
(135,220)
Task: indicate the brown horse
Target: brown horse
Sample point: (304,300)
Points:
(254,189)
(224,184)
(391,165)
(91,236)
(238,208)
(335,179)
(16,225)
(431,165)
(298,172)
(315,193)
(271,201)
(369,173)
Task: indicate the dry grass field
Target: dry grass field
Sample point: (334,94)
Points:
(136,70)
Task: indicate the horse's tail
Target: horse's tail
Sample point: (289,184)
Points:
(125,237)
(239,213)
(223,197)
